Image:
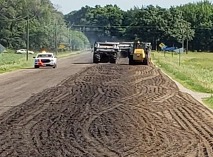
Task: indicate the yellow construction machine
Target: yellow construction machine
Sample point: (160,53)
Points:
(140,53)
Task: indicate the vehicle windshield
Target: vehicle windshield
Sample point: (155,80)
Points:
(45,56)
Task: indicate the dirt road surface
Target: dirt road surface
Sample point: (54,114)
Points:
(109,110)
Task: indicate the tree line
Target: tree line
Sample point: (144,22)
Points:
(47,27)
(189,25)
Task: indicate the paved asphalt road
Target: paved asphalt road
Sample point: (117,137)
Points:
(16,87)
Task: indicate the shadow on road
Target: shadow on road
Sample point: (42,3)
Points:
(123,64)
(28,68)
(37,68)
(83,63)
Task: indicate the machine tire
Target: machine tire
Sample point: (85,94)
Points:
(131,61)
(36,66)
(54,66)
(113,58)
(146,60)
(104,59)
(96,59)
(113,61)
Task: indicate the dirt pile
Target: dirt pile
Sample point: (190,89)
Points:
(109,111)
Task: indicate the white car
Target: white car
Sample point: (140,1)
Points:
(45,59)
(24,51)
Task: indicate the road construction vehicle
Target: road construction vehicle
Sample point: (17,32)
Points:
(105,52)
(124,48)
(140,53)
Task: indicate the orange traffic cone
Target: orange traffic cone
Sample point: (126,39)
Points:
(40,63)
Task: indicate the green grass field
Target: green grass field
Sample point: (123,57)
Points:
(194,70)
(11,61)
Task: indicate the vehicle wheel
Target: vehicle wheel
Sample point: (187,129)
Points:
(36,66)
(96,58)
(112,60)
(131,61)
(54,66)
(104,59)
(146,61)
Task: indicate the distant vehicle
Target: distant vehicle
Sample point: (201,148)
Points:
(125,48)
(105,52)
(170,49)
(45,59)
(24,51)
(140,53)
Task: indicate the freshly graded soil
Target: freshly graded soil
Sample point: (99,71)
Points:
(109,110)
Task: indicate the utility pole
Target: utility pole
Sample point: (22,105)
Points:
(71,44)
(56,45)
(187,46)
(156,45)
(182,35)
(187,39)
(69,37)
(28,38)
(182,40)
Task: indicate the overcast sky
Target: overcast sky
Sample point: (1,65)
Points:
(67,6)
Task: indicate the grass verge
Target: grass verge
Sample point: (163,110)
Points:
(209,102)
(193,70)
(11,61)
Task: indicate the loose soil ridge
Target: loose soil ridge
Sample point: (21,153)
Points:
(109,111)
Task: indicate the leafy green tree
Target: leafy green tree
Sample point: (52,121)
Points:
(199,15)
(46,24)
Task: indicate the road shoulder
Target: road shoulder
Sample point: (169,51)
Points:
(199,96)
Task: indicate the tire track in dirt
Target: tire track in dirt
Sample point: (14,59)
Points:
(111,111)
